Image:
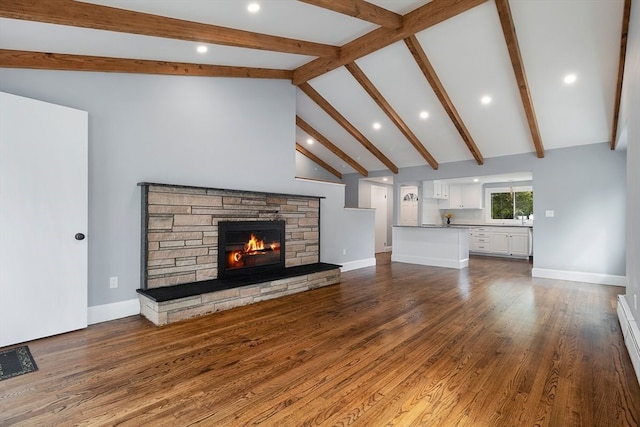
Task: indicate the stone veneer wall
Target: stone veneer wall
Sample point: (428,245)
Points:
(180,229)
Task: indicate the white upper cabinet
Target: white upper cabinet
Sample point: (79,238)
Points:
(435,189)
(463,196)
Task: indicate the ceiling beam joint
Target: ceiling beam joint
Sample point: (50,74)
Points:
(418,20)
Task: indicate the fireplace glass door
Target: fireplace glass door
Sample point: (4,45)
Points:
(250,247)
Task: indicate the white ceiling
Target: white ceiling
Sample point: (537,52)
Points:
(468,52)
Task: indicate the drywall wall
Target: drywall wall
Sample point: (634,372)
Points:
(629,129)
(212,132)
(584,186)
(308,169)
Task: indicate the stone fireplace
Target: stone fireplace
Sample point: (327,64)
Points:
(205,250)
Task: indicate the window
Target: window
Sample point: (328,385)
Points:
(509,204)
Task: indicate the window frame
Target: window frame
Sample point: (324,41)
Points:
(488,191)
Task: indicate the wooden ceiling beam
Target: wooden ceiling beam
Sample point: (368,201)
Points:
(427,69)
(59,61)
(420,19)
(626,16)
(87,15)
(375,94)
(330,146)
(362,10)
(342,121)
(318,160)
(509,31)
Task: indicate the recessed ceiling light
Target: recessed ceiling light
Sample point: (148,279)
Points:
(377,125)
(253,7)
(570,78)
(202,49)
(385,179)
(309,141)
(424,114)
(486,100)
(475,180)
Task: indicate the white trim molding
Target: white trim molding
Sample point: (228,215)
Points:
(113,311)
(630,332)
(432,261)
(354,265)
(579,276)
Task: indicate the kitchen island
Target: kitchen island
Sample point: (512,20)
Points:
(435,245)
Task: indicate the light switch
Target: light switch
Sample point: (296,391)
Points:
(549,214)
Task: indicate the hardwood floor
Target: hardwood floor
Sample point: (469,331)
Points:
(395,344)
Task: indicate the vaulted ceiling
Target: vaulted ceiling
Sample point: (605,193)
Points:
(419,70)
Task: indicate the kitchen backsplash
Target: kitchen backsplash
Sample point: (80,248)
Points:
(432,214)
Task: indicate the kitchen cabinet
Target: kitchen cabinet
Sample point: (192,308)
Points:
(479,240)
(435,189)
(501,241)
(463,196)
(519,244)
(431,245)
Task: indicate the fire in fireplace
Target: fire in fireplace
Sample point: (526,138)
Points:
(250,247)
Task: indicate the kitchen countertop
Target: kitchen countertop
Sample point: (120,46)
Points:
(475,225)
(435,226)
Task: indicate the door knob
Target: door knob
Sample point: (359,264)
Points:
(79,236)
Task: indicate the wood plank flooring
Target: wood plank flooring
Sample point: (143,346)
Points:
(392,345)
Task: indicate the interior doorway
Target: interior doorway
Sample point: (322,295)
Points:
(379,200)
(409,205)
(44,212)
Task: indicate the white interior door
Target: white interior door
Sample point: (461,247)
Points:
(409,205)
(43,205)
(379,203)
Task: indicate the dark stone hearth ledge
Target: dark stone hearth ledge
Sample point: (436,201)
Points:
(168,293)
(155,184)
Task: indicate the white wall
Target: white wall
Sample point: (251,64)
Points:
(584,185)
(214,132)
(308,169)
(629,128)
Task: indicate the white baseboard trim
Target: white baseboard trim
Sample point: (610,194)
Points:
(354,265)
(579,276)
(630,332)
(113,311)
(435,262)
